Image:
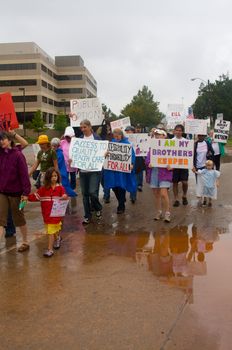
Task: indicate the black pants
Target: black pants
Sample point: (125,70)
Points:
(120,194)
(217,160)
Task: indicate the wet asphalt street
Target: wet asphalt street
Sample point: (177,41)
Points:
(124,282)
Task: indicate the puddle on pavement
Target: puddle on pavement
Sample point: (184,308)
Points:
(175,256)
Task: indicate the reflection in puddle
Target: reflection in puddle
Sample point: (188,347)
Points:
(174,255)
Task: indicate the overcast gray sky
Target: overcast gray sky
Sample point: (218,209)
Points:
(127,44)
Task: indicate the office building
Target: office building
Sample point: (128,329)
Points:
(48,84)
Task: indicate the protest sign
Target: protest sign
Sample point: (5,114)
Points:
(86,108)
(141,143)
(175,115)
(119,157)
(173,152)
(120,123)
(8,118)
(88,154)
(220,116)
(221,131)
(59,208)
(196,126)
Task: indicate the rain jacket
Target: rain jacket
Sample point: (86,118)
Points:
(64,174)
(127,181)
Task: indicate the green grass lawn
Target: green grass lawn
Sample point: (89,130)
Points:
(229,142)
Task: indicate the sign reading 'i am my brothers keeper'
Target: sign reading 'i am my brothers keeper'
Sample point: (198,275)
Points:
(173,152)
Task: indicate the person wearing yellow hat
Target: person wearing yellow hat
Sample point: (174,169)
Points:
(46,157)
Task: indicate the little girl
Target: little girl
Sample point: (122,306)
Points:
(207,182)
(160,181)
(52,190)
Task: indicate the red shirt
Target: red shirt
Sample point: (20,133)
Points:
(46,196)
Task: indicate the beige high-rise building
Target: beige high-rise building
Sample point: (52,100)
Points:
(48,84)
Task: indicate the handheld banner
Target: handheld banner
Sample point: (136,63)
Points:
(120,123)
(59,208)
(141,143)
(88,155)
(173,152)
(8,118)
(196,126)
(86,108)
(221,131)
(119,157)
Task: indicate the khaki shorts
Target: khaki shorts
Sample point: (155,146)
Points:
(7,202)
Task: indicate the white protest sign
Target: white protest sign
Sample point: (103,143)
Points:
(220,116)
(119,158)
(175,115)
(140,142)
(59,208)
(173,152)
(221,131)
(87,154)
(120,123)
(196,126)
(86,108)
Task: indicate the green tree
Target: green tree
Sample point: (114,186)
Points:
(143,109)
(37,123)
(214,98)
(108,114)
(60,122)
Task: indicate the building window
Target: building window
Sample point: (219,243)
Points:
(69,77)
(44,99)
(18,66)
(50,102)
(50,87)
(44,84)
(28,98)
(44,69)
(25,82)
(91,84)
(70,91)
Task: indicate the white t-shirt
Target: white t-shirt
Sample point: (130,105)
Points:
(216,149)
(202,149)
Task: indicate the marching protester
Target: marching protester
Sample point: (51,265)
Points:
(65,146)
(138,169)
(160,181)
(46,195)
(180,175)
(219,149)
(90,180)
(46,158)
(14,186)
(119,181)
(106,134)
(207,182)
(55,143)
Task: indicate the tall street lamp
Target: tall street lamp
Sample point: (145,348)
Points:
(24,110)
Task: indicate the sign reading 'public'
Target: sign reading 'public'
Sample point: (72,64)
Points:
(86,108)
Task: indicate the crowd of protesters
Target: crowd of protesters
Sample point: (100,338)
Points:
(57,178)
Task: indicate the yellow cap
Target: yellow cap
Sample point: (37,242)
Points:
(42,139)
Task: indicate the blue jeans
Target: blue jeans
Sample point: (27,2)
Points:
(139,178)
(90,182)
(72,180)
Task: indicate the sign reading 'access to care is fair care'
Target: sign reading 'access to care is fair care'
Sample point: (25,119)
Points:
(119,157)
(173,152)
(86,108)
(88,155)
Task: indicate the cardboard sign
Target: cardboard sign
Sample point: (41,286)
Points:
(87,154)
(120,123)
(59,208)
(175,115)
(140,143)
(173,152)
(86,108)
(220,116)
(119,158)
(196,126)
(8,118)
(221,131)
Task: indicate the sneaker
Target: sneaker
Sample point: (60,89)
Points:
(57,243)
(120,210)
(167,216)
(140,189)
(176,204)
(106,200)
(204,203)
(86,221)
(98,214)
(158,215)
(48,253)
(184,201)
(133,201)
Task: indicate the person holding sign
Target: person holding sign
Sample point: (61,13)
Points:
(65,146)
(218,147)
(46,195)
(14,186)
(90,179)
(160,181)
(120,181)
